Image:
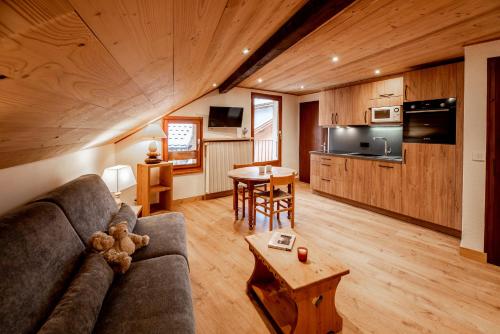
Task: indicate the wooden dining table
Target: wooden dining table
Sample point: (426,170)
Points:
(251,177)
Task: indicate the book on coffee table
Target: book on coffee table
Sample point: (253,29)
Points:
(281,240)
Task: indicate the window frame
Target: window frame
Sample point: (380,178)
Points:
(185,169)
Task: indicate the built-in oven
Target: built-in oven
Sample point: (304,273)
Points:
(431,121)
(386,114)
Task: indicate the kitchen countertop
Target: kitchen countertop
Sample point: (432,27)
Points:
(391,158)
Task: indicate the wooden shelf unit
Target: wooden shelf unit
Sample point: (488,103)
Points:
(145,190)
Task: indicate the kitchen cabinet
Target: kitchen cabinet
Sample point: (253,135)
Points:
(343,104)
(329,175)
(385,186)
(428,183)
(326,108)
(387,92)
(360,175)
(432,83)
(361,103)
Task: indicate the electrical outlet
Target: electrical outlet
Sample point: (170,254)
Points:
(364,144)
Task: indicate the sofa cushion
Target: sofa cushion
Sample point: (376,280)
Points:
(79,308)
(154,296)
(87,203)
(167,232)
(124,214)
(39,254)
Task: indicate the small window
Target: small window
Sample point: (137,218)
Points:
(183,143)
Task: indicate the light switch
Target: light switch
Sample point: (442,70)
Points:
(478,156)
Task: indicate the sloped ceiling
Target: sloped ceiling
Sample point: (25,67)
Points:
(390,35)
(80,73)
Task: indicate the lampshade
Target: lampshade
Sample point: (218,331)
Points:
(119,177)
(153,131)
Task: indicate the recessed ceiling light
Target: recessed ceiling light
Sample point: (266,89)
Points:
(377,71)
(214,85)
(335,59)
(245,51)
(302,87)
(259,80)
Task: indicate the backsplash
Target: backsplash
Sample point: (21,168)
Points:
(348,139)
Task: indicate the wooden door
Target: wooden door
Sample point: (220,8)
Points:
(428,183)
(431,83)
(386,186)
(360,175)
(311,135)
(326,108)
(492,209)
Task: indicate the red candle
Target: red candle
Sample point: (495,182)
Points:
(302,254)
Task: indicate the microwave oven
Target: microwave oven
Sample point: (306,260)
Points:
(386,114)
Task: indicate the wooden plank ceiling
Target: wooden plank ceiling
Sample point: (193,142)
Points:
(390,35)
(79,73)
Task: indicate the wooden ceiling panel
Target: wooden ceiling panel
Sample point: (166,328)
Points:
(370,34)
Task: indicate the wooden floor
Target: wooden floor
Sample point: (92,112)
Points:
(404,278)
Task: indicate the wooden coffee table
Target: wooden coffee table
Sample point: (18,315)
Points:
(297,297)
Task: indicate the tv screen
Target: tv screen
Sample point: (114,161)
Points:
(225,117)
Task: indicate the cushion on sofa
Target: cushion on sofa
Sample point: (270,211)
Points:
(39,254)
(124,214)
(154,296)
(87,203)
(167,232)
(79,308)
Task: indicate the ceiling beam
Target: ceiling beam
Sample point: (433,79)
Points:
(307,19)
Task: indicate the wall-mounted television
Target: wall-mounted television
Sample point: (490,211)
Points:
(225,117)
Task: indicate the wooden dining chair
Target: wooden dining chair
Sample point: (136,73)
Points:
(242,187)
(278,196)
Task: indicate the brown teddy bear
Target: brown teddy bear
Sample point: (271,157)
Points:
(103,243)
(125,241)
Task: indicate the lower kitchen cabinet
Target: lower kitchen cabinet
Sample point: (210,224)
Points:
(385,186)
(360,176)
(428,183)
(329,175)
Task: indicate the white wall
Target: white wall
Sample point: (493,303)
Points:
(132,150)
(309,97)
(24,182)
(474,172)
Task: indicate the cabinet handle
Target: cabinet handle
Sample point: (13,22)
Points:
(365,115)
(345,165)
(382,166)
(325,180)
(405,94)
(336,118)
(332,118)
(327,159)
(326,165)
(404,156)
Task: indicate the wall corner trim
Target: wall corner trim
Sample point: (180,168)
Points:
(473,254)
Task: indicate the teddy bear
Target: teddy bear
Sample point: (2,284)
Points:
(103,243)
(125,241)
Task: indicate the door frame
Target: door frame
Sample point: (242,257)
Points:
(279,99)
(492,228)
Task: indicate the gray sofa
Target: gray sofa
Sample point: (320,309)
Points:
(51,283)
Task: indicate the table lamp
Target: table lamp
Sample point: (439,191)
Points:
(153,132)
(118,178)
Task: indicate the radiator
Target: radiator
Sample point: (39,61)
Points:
(220,156)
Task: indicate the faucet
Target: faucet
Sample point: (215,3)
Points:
(387,148)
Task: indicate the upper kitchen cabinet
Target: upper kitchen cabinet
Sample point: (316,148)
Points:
(326,108)
(432,83)
(387,92)
(343,105)
(361,103)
